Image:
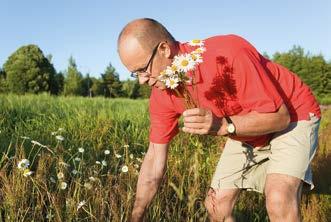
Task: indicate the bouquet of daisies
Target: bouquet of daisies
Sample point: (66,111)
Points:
(175,76)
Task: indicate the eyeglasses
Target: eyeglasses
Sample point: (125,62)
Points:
(136,72)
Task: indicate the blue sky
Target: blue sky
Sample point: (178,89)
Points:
(88,30)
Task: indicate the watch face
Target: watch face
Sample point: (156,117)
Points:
(231,128)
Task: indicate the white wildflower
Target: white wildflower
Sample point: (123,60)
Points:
(118,156)
(131,156)
(59,138)
(98,162)
(81,204)
(74,172)
(63,185)
(125,169)
(77,159)
(52,179)
(104,163)
(23,164)
(81,149)
(107,152)
(60,175)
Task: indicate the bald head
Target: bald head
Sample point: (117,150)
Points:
(147,32)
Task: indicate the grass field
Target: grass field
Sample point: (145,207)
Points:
(85,155)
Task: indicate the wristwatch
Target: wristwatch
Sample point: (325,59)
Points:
(231,129)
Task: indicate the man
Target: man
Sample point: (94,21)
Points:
(270,117)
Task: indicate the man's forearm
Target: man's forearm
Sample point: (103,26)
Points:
(255,124)
(150,177)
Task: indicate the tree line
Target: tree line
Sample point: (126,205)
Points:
(28,70)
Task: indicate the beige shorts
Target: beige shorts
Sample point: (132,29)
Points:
(290,152)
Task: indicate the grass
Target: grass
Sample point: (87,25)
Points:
(97,188)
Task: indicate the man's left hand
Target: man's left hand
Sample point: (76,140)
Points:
(201,121)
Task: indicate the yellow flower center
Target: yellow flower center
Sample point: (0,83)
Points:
(194,57)
(174,68)
(184,62)
(195,41)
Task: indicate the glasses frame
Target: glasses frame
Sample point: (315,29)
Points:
(139,71)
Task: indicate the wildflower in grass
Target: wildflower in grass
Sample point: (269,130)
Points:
(88,185)
(25,137)
(126,146)
(77,159)
(60,129)
(98,162)
(92,179)
(74,172)
(23,164)
(104,163)
(27,172)
(60,175)
(107,152)
(52,179)
(37,143)
(59,138)
(81,204)
(125,169)
(117,156)
(63,185)
(81,150)
(53,133)
(131,156)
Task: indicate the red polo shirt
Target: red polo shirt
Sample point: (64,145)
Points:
(234,79)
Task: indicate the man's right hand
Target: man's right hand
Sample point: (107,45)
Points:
(150,176)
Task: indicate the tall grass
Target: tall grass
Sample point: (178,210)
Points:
(98,188)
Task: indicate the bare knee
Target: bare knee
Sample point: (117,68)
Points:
(220,203)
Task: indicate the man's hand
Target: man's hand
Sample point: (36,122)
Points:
(201,121)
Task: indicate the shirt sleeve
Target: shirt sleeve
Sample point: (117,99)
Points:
(163,118)
(255,89)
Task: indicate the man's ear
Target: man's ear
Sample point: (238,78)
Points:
(166,50)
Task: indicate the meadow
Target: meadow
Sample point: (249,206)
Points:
(77,159)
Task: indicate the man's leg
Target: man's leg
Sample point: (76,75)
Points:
(220,203)
(283,196)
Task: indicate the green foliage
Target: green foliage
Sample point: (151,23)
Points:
(28,70)
(131,89)
(73,81)
(3,83)
(313,70)
(111,82)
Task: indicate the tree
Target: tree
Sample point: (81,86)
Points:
(73,80)
(3,82)
(131,89)
(87,86)
(111,82)
(28,70)
(313,70)
(59,83)
(97,88)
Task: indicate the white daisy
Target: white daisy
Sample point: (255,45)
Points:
(196,42)
(118,156)
(196,57)
(199,50)
(98,162)
(59,138)
(81,204)
(104,163)
(131,156)
(77,159)
(23,164)
(184,63)
(63,185)
(125,169)
(172,83)
(60,175)
(81,149)
(106,152)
